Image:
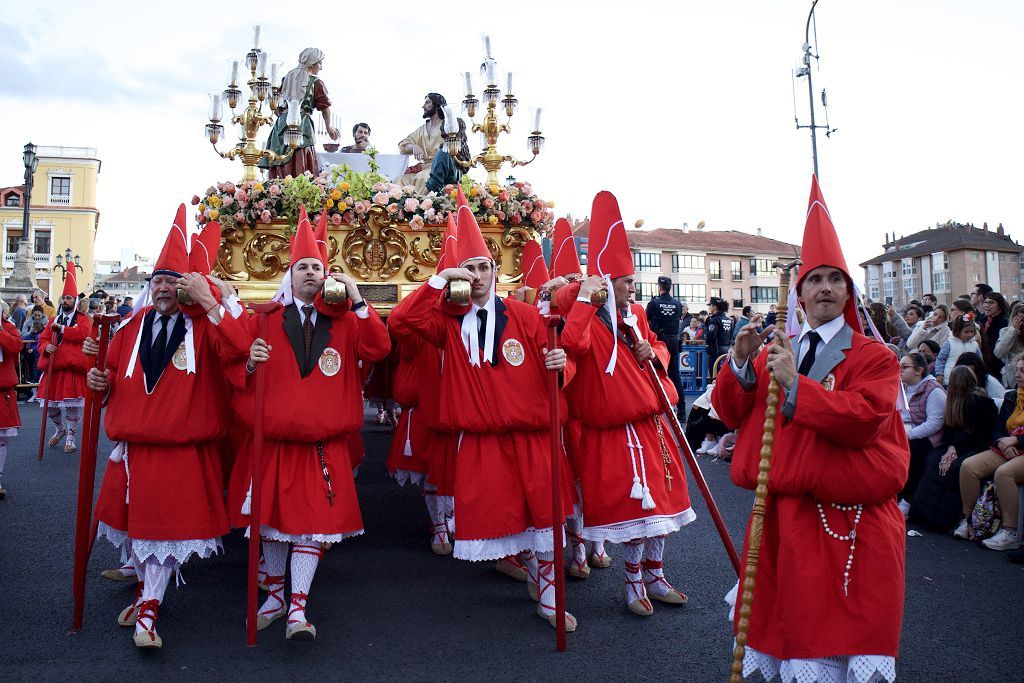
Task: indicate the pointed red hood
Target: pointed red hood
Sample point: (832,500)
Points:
(564,259)
(321,237)
(820,247)
(303,243)
(173,258)
(449,245)
(608,249)
(205,245)
(70,281)
(471,240)
(535,272)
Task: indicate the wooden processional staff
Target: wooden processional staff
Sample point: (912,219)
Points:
(746,597)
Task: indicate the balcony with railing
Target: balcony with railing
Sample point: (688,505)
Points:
(43,261)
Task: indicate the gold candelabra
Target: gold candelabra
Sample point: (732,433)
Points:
(252,118)
(491,128)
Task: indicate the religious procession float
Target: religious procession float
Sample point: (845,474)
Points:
(385,219)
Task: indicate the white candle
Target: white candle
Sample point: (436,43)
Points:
(469,82)
(234,72)
(256,37)
(487,47)
(215,108)
(508,83)
(536,120)
(261,65)
(491,80)
(451,124)
(294,112)
(273,75)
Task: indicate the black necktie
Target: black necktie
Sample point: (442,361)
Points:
(307,330)
(481,319)
(808,361)
(160,344)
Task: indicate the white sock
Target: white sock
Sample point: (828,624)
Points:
(529,560)
(654,576)
(305,558)
(438,528)
(275,558)
(154,583)
(53,412)
(73,415)
(546,581)
(632,553)
(597,548)
(579,548)
(3,456)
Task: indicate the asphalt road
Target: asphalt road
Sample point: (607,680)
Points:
(386,608)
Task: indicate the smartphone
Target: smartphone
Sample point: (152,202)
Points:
(888,301)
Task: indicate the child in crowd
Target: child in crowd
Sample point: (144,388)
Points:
(964,340)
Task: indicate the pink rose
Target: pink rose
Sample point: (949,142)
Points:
(229,187)
(349,217)
(408,189)
(265,216)
(261,204)
(527,206)
(275,190)
(501,215)
(380,187)
(242,196)
(336,219)
(239,217)
(429,214)
(220,187)
(395,192)
(540,204)
(536,216)
(228,200)
(503,196)
(527,188)
(201,218)
(380,199)
(211,190)
(411,204)
(488,203)
(195,199)
(427,203)
(392,209)
(416,223)
(516,219)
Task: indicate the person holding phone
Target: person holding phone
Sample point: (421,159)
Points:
(1009,346)
(935,327)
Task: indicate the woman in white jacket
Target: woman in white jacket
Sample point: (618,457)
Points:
(1009,348)
(935,327)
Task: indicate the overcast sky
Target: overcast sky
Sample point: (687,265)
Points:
(684,112)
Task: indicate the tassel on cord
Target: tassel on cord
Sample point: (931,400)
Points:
(247,503)
(637,492)
(647,502)
(408,434)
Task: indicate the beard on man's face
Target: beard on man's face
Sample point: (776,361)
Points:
(429,111)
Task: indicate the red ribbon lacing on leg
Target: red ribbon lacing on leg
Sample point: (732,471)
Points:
(637,588)
(298,605)
(275,590)
(148,610)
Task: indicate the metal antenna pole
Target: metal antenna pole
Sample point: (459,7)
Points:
(810,87)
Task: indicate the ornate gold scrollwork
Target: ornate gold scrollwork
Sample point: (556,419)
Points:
(266,255)
(225,267)
(515,238)
(378,249)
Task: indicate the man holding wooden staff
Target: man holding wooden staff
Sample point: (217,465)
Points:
(631,475)
(494,395)
(161,500)
(828,587)
(311,359)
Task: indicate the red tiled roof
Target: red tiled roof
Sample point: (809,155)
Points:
(727,241)
(127,275)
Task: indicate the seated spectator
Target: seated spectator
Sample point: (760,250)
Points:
(923,407)
(995,308)
(904,324)
(929,303)
(36,316)
(693,331)
(935,327)
(961,305)
(930,350)
(963,340)
(1009,347)
(968,421)
(989,384)
(1001,461)
(30,352)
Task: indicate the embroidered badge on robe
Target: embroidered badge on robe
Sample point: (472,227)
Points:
(829,382)
(180,358)
(330,362)
(513,351)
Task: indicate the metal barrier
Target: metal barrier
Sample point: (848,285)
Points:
(22,384)
(693,369)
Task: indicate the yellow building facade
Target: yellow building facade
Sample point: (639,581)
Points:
(63,215)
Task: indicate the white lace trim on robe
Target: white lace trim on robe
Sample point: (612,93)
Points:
(537,540)
(404,477)
(143,549)
(272,534)
(644,527)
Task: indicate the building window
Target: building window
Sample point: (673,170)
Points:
(715,269)
(736,270)
(42,241)
(764,295)
(647,262)
(13,237)
(890,288)
(909,267)
(646,291)
(737,298)
(940,261)
(940,281)
(690,294)
(12,200)
(908,288)
(60,190)
(583,250)
(889,269)
(761,266)
(681,262)
(716,292)
(873,292)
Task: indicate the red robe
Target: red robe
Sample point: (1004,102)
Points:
(407,459)
(173,437)
(325,407)
(607,408)
(11,344)
(69,372)
(503,466)
(845,444)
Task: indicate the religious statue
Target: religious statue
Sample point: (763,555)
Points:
(424,142)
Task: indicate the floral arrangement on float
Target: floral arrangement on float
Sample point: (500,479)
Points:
(348,196)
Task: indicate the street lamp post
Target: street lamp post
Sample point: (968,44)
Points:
(31,163)
(23,274)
